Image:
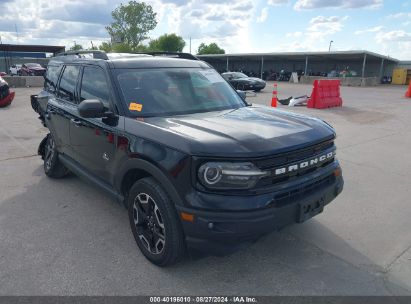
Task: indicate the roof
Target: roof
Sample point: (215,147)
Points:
(337,55)
(156,62)
(31,48)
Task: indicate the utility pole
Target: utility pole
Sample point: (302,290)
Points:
(17,33)
(190,45)
(92,46)
(329,48)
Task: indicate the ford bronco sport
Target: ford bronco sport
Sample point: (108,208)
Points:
(196,166)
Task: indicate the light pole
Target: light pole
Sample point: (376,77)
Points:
(329,48)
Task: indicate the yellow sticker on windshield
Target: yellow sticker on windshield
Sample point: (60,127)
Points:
(135,107)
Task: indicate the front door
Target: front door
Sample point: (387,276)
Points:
(93,139)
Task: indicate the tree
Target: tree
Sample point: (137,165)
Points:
(212,48)
(106,47)
(167,43)
(132,22)
(76,47)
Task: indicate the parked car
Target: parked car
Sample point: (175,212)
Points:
(15,69)
(32,69)
(6,95)
(195,164)
(242,82)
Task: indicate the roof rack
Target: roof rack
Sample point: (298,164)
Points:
(173,54)
(94,54)
(82,54)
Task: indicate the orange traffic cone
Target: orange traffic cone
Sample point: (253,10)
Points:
(274,98)
(408,93)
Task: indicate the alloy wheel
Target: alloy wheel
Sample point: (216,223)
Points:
(149,223)
(50,151)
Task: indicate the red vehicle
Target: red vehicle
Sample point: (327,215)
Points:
(32,69)
(6,95)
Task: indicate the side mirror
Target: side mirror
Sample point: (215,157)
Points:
(91,108)
(242,94)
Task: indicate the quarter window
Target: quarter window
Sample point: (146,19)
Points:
(94,86)
(68,83)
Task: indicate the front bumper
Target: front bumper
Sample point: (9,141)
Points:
(222,232)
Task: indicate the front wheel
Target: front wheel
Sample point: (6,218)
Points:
(241,86)
(154,223)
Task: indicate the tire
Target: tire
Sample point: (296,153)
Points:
(241,87)
(52,166)
(154,222)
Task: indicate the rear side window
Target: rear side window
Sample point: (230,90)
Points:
(94,85)
(52,76)
(68,83)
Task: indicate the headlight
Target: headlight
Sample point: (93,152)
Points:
(225,175)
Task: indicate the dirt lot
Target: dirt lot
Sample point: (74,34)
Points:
(64,237)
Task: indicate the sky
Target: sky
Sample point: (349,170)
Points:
(238,26)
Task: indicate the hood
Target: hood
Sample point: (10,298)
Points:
(244,132)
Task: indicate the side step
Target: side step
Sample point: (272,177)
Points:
(89,177)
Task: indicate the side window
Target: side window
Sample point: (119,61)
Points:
(94,86)
(52,75)
(68,83)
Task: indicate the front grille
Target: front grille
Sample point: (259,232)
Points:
(270,164)
(289,196)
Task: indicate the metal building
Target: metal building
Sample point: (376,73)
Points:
(18,54)
(364,63)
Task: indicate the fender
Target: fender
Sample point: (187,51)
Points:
(154,171)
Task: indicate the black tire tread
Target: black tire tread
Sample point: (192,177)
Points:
(176,248)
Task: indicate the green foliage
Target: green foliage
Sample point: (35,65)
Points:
(167,43)
(76,47)
(212,48)
(106,47)
(132,22)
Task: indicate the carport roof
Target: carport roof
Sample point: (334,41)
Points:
(31,48)
(337,55)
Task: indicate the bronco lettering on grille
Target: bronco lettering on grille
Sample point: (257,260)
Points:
(305,164)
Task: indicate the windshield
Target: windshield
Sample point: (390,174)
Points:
(33,65)
(240,75)
(175,91)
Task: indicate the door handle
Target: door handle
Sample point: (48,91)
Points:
(76,122)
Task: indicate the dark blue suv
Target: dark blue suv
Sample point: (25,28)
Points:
(196,166)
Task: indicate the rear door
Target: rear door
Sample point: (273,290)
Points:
(60,108)
(93,139)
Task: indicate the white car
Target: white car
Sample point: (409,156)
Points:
(15,69)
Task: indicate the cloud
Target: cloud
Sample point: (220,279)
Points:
(277,2)
(317,34)
(263,15)
(393,36)
(326,25)
(370,30)
(316,4)
(399,15)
